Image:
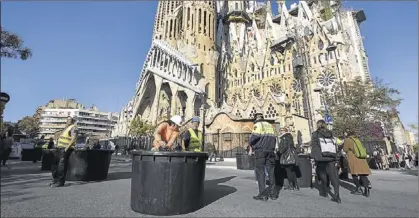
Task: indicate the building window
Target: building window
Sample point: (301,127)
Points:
(227,136)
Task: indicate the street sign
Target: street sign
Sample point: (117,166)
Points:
(328,118)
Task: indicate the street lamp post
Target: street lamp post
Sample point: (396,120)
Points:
(204,110)
(4,98)
(327,116)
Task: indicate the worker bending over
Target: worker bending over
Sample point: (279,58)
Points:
(262,142)
(193,137)
(65,145)
(166,134)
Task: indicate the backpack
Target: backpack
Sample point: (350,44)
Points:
(359,149)
(328,147)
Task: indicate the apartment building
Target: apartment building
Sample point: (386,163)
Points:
(89,121)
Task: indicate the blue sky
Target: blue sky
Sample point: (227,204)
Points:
(99,47)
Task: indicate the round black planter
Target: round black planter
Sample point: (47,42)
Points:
(88,165)
(167,183)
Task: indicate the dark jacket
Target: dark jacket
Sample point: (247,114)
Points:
(263,137)
(286,142)
(316,152)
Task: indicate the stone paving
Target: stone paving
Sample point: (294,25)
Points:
(228,193)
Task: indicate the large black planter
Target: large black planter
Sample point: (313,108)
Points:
(34,154)
(48,156)
(88,165)
(304,166)
(245,161)
(167,183)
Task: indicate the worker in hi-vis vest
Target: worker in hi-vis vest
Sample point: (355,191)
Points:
(193,137)
(66,142)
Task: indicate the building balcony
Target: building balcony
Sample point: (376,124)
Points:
(53,121)
(94,122)
(52,126)
(94,128)
(54,115)
(92,117)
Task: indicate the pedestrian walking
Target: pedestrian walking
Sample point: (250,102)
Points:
(384,159)
(211,152)
(287,153)
(262,140)
(357,162)
(65,146)
(324,153)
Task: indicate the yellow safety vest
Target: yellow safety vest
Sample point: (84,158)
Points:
(45,146)
(263,128)
(338,141)
(65,138)
(196,141)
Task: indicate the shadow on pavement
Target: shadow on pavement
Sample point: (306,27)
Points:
(111,177)
(347,184)
(412,172)
(19,200)
(118,176)
(22,171)
(213,191)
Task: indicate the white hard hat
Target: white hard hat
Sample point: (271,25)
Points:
(176,119)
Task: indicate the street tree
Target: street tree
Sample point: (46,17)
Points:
(360,107)
(12,46)
(28,125)
(140,127)
(414,129)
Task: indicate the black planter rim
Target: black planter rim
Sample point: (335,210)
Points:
(169,153)
(87,150)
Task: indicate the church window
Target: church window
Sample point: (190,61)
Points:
(189,15)
(192,23)
(209,24)
(171,28)
(205,22)
(167,24)
(237,6)
(270,112)
(199,16)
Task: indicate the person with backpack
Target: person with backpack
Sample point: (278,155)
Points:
(357,163)
(324,153)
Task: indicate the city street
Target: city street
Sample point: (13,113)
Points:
(228,193)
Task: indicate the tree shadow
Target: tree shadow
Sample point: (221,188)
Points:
(213,191)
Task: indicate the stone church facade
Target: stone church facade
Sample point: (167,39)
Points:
(226,60)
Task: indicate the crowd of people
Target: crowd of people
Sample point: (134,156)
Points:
(267,146)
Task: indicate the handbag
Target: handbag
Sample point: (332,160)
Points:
(288,157)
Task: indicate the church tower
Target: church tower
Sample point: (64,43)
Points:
(168,22)
(198,33)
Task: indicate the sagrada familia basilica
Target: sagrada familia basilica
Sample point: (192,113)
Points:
(226,60)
